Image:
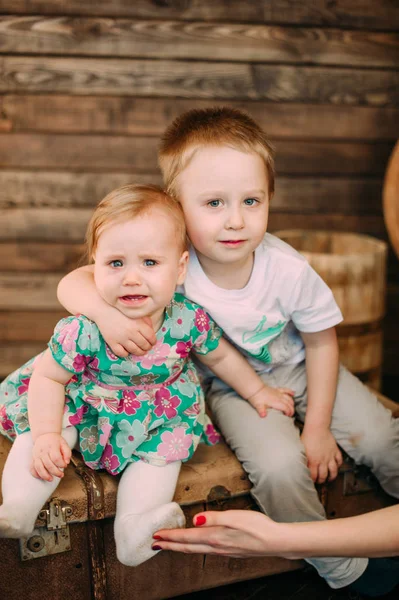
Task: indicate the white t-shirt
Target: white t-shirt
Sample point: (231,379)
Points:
(283,296)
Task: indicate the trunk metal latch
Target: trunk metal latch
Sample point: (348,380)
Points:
(53,537)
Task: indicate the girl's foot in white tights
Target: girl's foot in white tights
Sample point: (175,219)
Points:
(133,534)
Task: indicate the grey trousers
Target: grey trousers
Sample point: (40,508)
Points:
(273,455)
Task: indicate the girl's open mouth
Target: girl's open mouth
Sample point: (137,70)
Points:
(136,299)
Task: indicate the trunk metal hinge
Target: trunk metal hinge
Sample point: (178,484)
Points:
(53,537)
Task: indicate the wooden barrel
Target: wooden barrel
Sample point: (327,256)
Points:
(391,198)
(354,267)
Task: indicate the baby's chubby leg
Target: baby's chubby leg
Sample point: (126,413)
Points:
(23,494)
(144,506)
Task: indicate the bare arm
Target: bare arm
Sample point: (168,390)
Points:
(322,360)
(78,293)
(228,364)
(247,533)
(46,400)
(322,363)
(46,396)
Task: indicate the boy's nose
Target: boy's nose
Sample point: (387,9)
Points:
(235,220)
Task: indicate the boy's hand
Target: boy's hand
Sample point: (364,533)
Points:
(279,398)
(324,456)
(50,455)
(126,336)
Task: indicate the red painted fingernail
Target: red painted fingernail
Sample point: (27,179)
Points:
(156,548)
(201,520)
(157,537)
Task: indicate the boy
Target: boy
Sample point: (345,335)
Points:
(279,313)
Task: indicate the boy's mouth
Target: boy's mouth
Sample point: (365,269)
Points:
(232,243)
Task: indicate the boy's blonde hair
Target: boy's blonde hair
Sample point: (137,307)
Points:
(217,126)
(128,202)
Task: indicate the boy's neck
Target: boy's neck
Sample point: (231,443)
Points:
(229,276)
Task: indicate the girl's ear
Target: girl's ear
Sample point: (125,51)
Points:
(183,263)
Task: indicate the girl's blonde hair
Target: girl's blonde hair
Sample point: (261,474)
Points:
(216,126)
(128,202)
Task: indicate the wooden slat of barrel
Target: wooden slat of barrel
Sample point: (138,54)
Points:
(391,198)
(354,267)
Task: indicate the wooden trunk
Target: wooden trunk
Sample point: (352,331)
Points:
(354,267)
(89,570)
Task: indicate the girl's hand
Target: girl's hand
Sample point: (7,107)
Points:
(126,336)
(324,456)
(236,533)
(50,455)
(279,398)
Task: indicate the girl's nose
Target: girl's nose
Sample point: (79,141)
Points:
(131,277)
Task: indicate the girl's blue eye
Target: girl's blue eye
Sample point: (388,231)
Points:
(149,262)
(250,201)
(214,203)
(116,263)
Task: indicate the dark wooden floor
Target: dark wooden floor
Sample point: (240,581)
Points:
(296,585)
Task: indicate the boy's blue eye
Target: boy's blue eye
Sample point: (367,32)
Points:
(250,201)
(116,263)
(214,203)
(149,262)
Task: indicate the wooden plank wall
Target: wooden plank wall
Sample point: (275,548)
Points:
(87,88)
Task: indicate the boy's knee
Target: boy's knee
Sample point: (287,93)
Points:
(287,469)
(380,442)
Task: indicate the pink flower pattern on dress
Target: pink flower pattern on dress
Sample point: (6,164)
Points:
(94,364)
(5,422)
(175,444)
(68,336)
(105,431)
(77,418)
(130,404)
(184,348)
(25,385)
(79,362)
(201,320)
(165,403)
(109,461)
(212,435)
(156,356)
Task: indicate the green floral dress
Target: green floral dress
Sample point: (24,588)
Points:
(148,408)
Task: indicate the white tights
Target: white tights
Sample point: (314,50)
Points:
(144,500)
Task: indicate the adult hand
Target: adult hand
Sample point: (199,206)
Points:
(236,533)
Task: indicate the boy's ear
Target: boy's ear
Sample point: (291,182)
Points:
(183,263)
